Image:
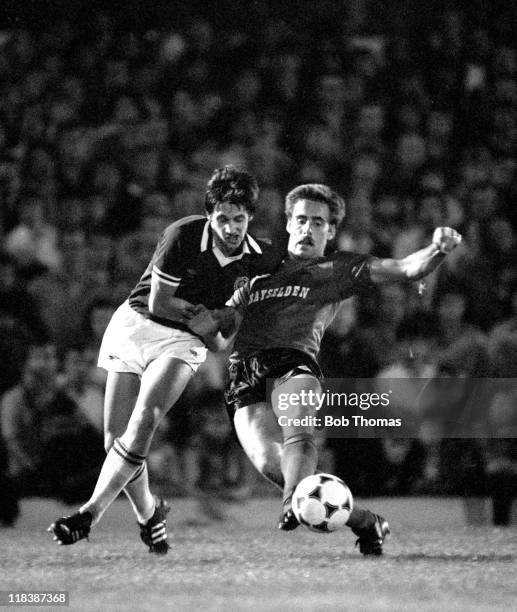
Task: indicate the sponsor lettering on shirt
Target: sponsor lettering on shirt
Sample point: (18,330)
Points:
(279,292)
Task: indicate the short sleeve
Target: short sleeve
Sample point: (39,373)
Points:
(169,259)
(352,273)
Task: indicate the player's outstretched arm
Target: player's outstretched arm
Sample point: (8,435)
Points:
(418,264)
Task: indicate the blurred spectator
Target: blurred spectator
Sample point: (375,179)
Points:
(501,450)
(52,450)
(366,168)
(407,465)
(96,317)
(371,123)
(80,382)
(346,352)
(59,302)
(452,318)
(410,156)
(382,315)
(220,460)
(14,342)
(388,220)
(185,202)
(269,162)
(268,223)
(33,242)
(439,132)
(16,302)
(20,322)
(405,468)
(455,410)
(472,271)
(39,176)
(9,506)
(73,143)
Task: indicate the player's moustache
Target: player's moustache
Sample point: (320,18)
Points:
(306,240)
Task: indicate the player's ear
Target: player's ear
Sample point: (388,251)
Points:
(288,224)
(332,232)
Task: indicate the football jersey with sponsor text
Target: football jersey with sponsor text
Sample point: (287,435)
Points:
(292,307)
(186,258)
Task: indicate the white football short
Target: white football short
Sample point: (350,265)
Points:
(131,342)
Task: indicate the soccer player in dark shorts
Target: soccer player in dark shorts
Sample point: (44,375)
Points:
(281,318)
(150,351)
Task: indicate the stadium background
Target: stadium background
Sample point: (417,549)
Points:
(111,122)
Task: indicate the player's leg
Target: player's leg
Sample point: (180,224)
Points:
(261,439)
(294,406)
(300,458)
(119,400)
(161,384)
(283,454)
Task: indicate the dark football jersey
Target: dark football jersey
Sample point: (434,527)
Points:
(185,259)
(292,307)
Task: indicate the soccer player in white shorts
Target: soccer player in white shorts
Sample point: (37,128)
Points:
(150,351)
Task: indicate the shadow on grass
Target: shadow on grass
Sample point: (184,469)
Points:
(466,557)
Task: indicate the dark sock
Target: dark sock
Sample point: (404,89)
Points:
(360,519)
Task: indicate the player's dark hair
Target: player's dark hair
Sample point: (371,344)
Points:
(229,184)
(317,193)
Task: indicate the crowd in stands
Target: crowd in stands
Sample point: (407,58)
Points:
(108,134)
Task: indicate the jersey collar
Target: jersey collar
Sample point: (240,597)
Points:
(207,242)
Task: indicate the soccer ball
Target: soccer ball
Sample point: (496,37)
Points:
(322,502)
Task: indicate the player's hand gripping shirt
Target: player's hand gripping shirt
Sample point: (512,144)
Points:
(292,307)
(186,259)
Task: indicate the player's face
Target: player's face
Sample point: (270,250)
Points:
(229,223)
(309,229)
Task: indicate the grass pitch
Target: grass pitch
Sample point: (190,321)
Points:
(432,562)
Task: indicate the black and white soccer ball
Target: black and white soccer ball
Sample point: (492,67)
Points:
(322,502)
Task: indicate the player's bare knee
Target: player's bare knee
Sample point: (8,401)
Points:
(298,436)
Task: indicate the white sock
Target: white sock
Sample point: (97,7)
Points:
(118,468)
(140,496)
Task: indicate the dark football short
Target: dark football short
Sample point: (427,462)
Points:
(248,376)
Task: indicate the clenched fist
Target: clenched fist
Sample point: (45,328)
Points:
(446,239)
